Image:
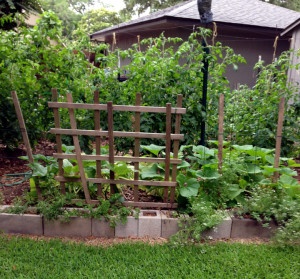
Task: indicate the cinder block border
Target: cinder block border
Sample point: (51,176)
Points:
(151,223)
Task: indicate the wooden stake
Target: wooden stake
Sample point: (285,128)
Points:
(176,147)
(22,126)
(279,137)
(221,132)
(137,129)
(25,137)
(168,148)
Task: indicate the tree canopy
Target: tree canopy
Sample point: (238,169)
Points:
(290,4)
(95,20)
(139,6)
(10,8)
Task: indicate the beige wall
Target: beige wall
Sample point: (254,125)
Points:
(31,20)
(294,74)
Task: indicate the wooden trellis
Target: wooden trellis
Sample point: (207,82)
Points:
(171,142)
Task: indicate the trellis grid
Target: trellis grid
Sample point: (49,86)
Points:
(171,141)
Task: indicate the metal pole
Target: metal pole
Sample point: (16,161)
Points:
(204,70)
(204,9)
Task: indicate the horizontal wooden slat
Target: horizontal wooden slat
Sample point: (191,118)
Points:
(78,132)
(135,204)
(117,158)
(150,204)
(103,107)
(123,181)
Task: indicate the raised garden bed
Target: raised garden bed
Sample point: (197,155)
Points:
(150,223)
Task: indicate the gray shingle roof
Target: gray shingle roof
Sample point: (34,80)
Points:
(246,12)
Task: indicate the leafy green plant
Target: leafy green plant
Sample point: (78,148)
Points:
(19,206)
(52,208)
(204,215)
(290,232)
(111,210)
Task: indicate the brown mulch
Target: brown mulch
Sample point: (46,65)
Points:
(12,169)
(12,187)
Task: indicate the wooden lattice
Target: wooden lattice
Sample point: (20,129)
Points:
(171,142)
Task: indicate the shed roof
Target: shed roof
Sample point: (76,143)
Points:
(243,12)
(291,27)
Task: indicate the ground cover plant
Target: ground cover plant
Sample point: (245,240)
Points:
(27,258)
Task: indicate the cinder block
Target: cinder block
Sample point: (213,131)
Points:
(222,230)
(149,223)
(23,224)
(169,225)
(248,228)
(76,227)
(130,229)
(102,228)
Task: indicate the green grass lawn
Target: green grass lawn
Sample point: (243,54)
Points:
(26,258)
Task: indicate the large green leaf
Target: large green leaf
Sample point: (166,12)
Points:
(69,169)
(203,152)
(183,165)
(121,169)
(288,180)
(188,187)
(234,191)
(208,173)
(252,169)
(38,169)
(151,172)
(152,148)
(288,171)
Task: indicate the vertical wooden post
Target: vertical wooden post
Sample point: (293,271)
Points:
(137,128)
(176,147)
(279,136)
(22,125)
(78,151)
(113,187)
(168,148)
(98,143)
(58,140)
(221,132)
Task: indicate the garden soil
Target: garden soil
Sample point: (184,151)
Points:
(13,170)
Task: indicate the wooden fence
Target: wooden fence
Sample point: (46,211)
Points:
(171,143)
